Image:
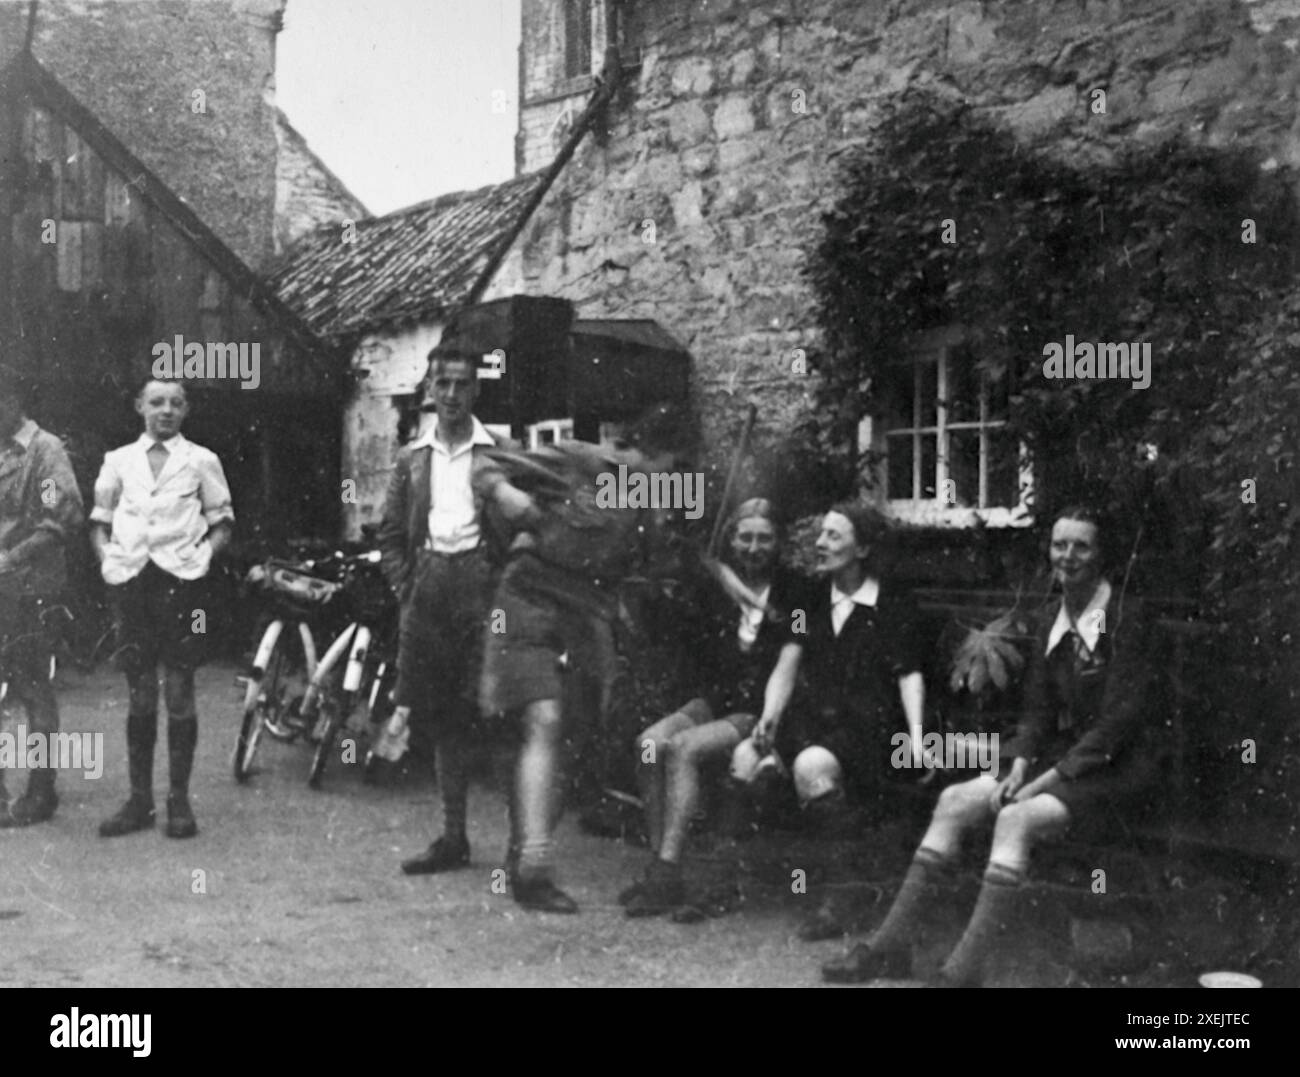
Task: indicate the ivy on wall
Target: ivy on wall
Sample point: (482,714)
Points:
(944,219)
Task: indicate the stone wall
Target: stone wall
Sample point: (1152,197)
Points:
(138,66)
(697,204)
(307,193)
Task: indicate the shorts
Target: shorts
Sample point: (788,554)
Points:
(1129,788)
(439,641)
(546,625)
(157,616)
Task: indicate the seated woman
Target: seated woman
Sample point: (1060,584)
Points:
(740,629)
(861,657)
(1080,751)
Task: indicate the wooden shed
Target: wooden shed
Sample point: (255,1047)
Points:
(100,262)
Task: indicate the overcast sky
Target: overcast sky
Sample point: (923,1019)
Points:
(396,96)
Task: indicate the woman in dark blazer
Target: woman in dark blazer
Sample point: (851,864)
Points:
(1086,746)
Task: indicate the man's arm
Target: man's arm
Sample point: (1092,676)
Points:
(108,491)
(214,494)
(390,536)
(53,504)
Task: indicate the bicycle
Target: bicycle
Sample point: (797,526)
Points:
(342,592)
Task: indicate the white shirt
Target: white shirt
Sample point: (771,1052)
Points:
(453,520)
(751,620)
(1090,626)
(163,520)
(842,604)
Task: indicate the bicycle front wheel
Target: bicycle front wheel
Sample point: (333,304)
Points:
(337,705)
(256,695)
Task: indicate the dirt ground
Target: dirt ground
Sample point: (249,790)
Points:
(286,886)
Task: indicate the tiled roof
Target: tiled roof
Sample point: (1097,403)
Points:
(411,265)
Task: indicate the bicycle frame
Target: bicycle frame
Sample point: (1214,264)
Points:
(355,642)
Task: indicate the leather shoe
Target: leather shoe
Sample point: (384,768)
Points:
(136,814)
(662,890)
(180,820)
(542,895)
(443,855)
(862,963)
(28,809)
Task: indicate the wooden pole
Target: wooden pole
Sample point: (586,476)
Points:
(742,447)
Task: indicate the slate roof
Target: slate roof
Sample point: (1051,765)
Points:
(414,264)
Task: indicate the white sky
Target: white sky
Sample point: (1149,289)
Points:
(396,96)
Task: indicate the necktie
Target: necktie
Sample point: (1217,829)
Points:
(157,458)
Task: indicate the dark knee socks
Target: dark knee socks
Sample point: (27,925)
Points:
(182,736)
(141,734)
(928,871)
(999,896)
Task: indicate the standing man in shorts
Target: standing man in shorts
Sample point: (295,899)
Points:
(40,511)
(162,513)
(435,545)
(558,602)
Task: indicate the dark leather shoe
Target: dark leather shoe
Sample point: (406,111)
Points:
(662,891)
(136,814)
(443,855)
(180,820)
(29,809)
(717,902)
(863,963)
(542,895)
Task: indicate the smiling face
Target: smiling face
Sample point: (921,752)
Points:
(837,546)
(1075,554)
(453,387)
(753,546)
(163,406)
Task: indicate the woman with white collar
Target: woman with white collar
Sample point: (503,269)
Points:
(1080,752)
(846,681)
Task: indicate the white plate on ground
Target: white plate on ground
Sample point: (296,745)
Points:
(1229,979)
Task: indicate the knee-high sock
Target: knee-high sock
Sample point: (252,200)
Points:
(141,735)
(999,895)
(898,930)
(182,736)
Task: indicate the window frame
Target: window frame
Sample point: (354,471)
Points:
(875,434)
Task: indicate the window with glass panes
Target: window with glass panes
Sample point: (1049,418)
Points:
(946,441)
(577,38)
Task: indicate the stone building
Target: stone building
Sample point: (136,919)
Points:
(696,198)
